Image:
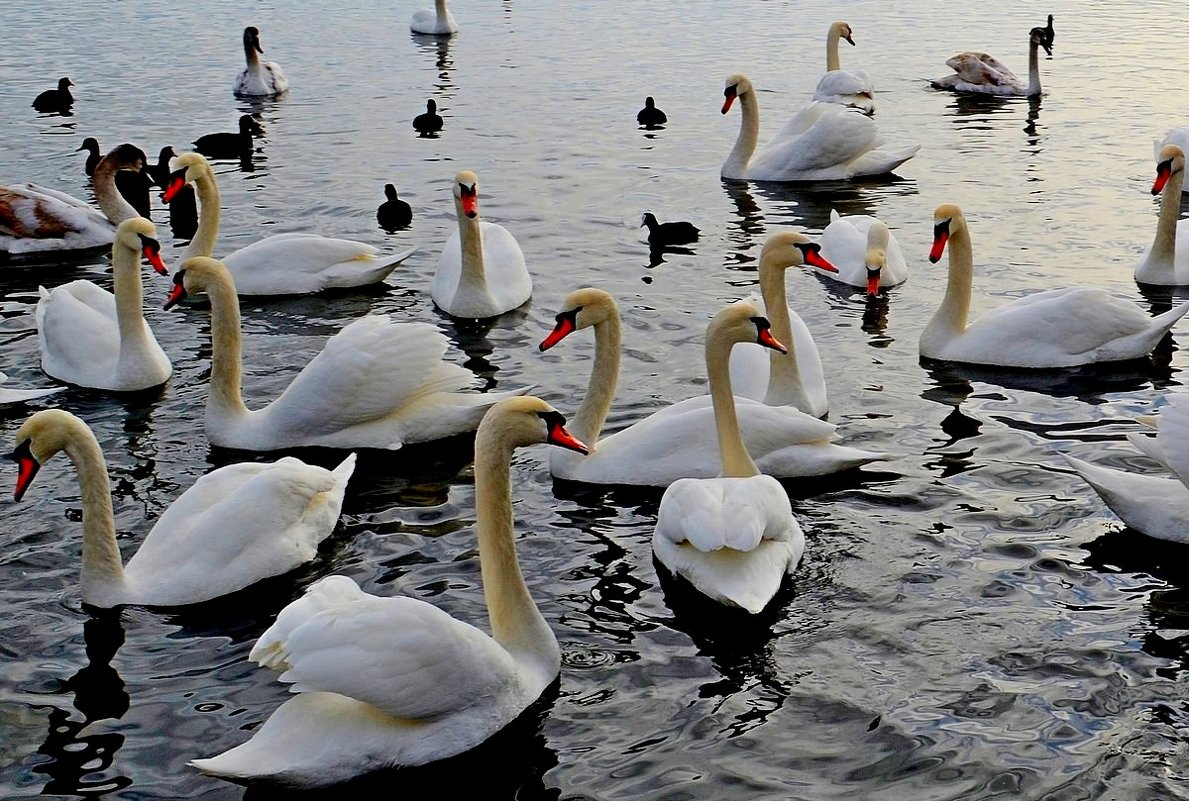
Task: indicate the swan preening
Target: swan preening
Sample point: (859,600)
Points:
(679,440)
(259,78)
(376,383)
(1166,261)
(481,272)
(437,20)
(984,74)
(822,142)
(864,253)
(394,681)
(851,88)
(733,537)
(282,264)
(1057,328)
(235,526)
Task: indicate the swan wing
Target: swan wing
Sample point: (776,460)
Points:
(78,331)
(844,244)
(300,263)
(32,211)
(836,136)
(275,77)
(982,69)
(19,395)
(1173,436)
(715,513)
(1153,505)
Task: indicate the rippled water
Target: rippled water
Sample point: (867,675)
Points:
(969,620)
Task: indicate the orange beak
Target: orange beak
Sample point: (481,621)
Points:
(176,295)
(470,203)
(562,438)
(768,341)
(154,257)
(565,326)
(27,468)
(872,282)
(1163,171)
(726,104)
(175,185)
(813,257)
(939,240)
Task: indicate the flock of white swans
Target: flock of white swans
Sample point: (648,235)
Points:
(421,685)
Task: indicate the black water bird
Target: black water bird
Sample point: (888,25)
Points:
(183,207)
(670,233)
(429,123)
(230,145)
(91,145)
(1049,33)
(650,116)
(133,186)
(393,213)
(55,101)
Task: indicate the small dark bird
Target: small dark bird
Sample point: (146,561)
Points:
(230,145)
(429,123)
(393,213)
(1049,33)
(183,207)
(133,186)
(650,116)
(55,101)
(91,145)
(670,233)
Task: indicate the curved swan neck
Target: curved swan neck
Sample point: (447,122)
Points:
(102,569)
(784,375)
(832,62)
(440,8)
(253,58)
(1164,245)
(950,319)
(110,201)
(749,135)
(203,241)
(736,461)
(126,285)
(1033,69)
(604,376)
(226,348)
(470,237)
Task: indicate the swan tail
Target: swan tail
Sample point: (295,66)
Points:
(365,268)
(272,649)
(883,160)
(346,468)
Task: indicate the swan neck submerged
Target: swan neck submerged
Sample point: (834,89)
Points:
(226,396)
(604,376)
(736,462)
(784,375)
(832,62)
(102,570)
(470,239)
(749,135)
(110,201)
(950,319)
(1033,69)
(129,292)
(203,241)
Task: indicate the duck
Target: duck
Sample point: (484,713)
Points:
(376,384)
(670,233)
(1166,261)
(429,123)
(733,536)
(435,21)
(852,88)
(678,441)
(393,213)
(10,396)
(36,219)
(481,272)
(1176,136)
(183,206)
(133,186)
(983,74)
(233,527)
(1057,328)
(650,116)
(231,146)
(90,337)
(759,373)
(282,264)
(55,101)
(259,79)
(864,253)
(423,685)
(822,142)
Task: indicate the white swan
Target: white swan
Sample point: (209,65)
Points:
(481,272)
(732,537)
(761,374)
(1166,261)
(376,383)
(36,219)
(844,87)
(679,440)
(259,79)
(1057,328)
(1151,503)
(235,526)
(419,685)
(864,251)
(437,20)
(282,264)
(93,338)
(821,142)
(10,396)
(984,74)
(1175,136)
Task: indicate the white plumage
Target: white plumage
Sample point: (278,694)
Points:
(845,244)
(434,21)
(259,78)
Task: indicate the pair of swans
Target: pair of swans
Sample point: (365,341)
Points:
(259,78)
(822,142)
(1166,261)
(1056,328)
(980,73)
(851,88)
(864,253)
(394,681)
(376,383)
(282,264)
(434,21)
(481,272)
(235,526)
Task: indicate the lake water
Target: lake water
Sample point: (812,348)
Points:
(969,620)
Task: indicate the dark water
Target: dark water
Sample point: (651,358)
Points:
(969,621)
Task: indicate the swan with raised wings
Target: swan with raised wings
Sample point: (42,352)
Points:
(434,21)
(844,87)
(864,253)
(1057,328)
(822,142)
(282,264)
(94,338)
(678,441)
(733,537)
(481,272)
(376,384)
(235,526)
(984,74)
(422,685)
(259,78)
(1166,261)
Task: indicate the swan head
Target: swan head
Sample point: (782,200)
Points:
(186,167)
(1039,36)
(742,322)
(582,308)
(793,249)
(527,420)
(842,31)
(125,157)
(91,145)
(140,235)
(947,221)
(876,258)
(466,193)
(252,39)
(1170,160)
(44,434)
(737,86)
(195,275)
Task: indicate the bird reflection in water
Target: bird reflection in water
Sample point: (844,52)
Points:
(1030,125)
(438,47)
(474,338)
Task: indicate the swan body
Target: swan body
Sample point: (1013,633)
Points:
(93,338)
(851,88)
(1057,328)
(1175,136)
(434,21)
(678,441)
(422,686)
(1166,261)
(864,251)
(282,264)
(10,396)
(376,383)
(259,78)
(822,142)
(481,272)
(795,379)
(235,526)
(733,537)
(980,73)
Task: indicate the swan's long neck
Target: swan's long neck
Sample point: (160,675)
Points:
(440,8)
(832,62)
(1164,245)
(110,201)
(102,570)
(735,459)
(749,135)
(784,375)
(950,319)
(252,57)
(604,375)
(203,241)
(1033,69)
(226,398)
(516,623)
(470,237)
(134,331)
